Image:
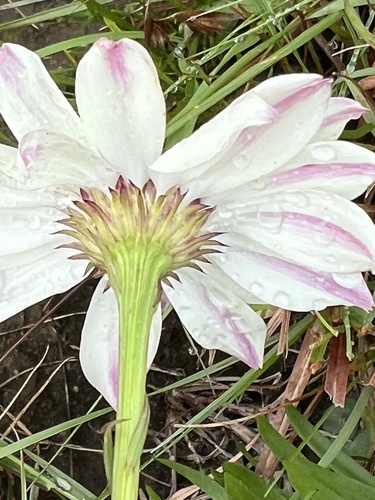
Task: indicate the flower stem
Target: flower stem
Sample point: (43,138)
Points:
(135,278)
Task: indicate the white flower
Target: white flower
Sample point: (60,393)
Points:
(270,163)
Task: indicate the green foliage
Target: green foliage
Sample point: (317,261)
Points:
(310,479)
(242,483)
(205,483)
(151,494)
(319,444)
(238,483)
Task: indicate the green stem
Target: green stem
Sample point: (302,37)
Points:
(135,279)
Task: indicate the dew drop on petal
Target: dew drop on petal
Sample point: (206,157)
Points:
(323,153)
(222,257)
(271,222)
(35,223)
(224,213)
(281,299)
(347,280)
(297,199)
(331,258)
(258,185)
(256,288)
(320,279)
(241,162)
(318,305)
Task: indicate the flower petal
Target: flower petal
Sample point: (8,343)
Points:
(340,111)
(30,100)
(215,273)
(54,159)
(208,146)
(216,318)
(283,88)
(99,342)
(287,285)
(20,198)
(9,164)
(261,150)
(122,105)
(25,229)
(337,167)
(27,284)
(312,228)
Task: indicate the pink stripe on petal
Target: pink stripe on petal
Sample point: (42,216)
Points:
(326,171)
(301,94)
(341,109)
(11,67)
(249,352)
(113,380)
(314,224)
(358,295)
(30,99)
(114,54)
(229,322)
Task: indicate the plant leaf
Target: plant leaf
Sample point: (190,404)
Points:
(199,478)
(241,483)
(320,444)
(309,479)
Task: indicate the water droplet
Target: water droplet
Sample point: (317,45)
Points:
(235,277)
(256,288)
(331,258)
(270,221)
(35,223)
(320,279)
(240,39)
(348,280)
(297,199)
(323,152)
(63,484)
(224,213)
(281,299)
(192,351)
(241,161)
(319,305)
